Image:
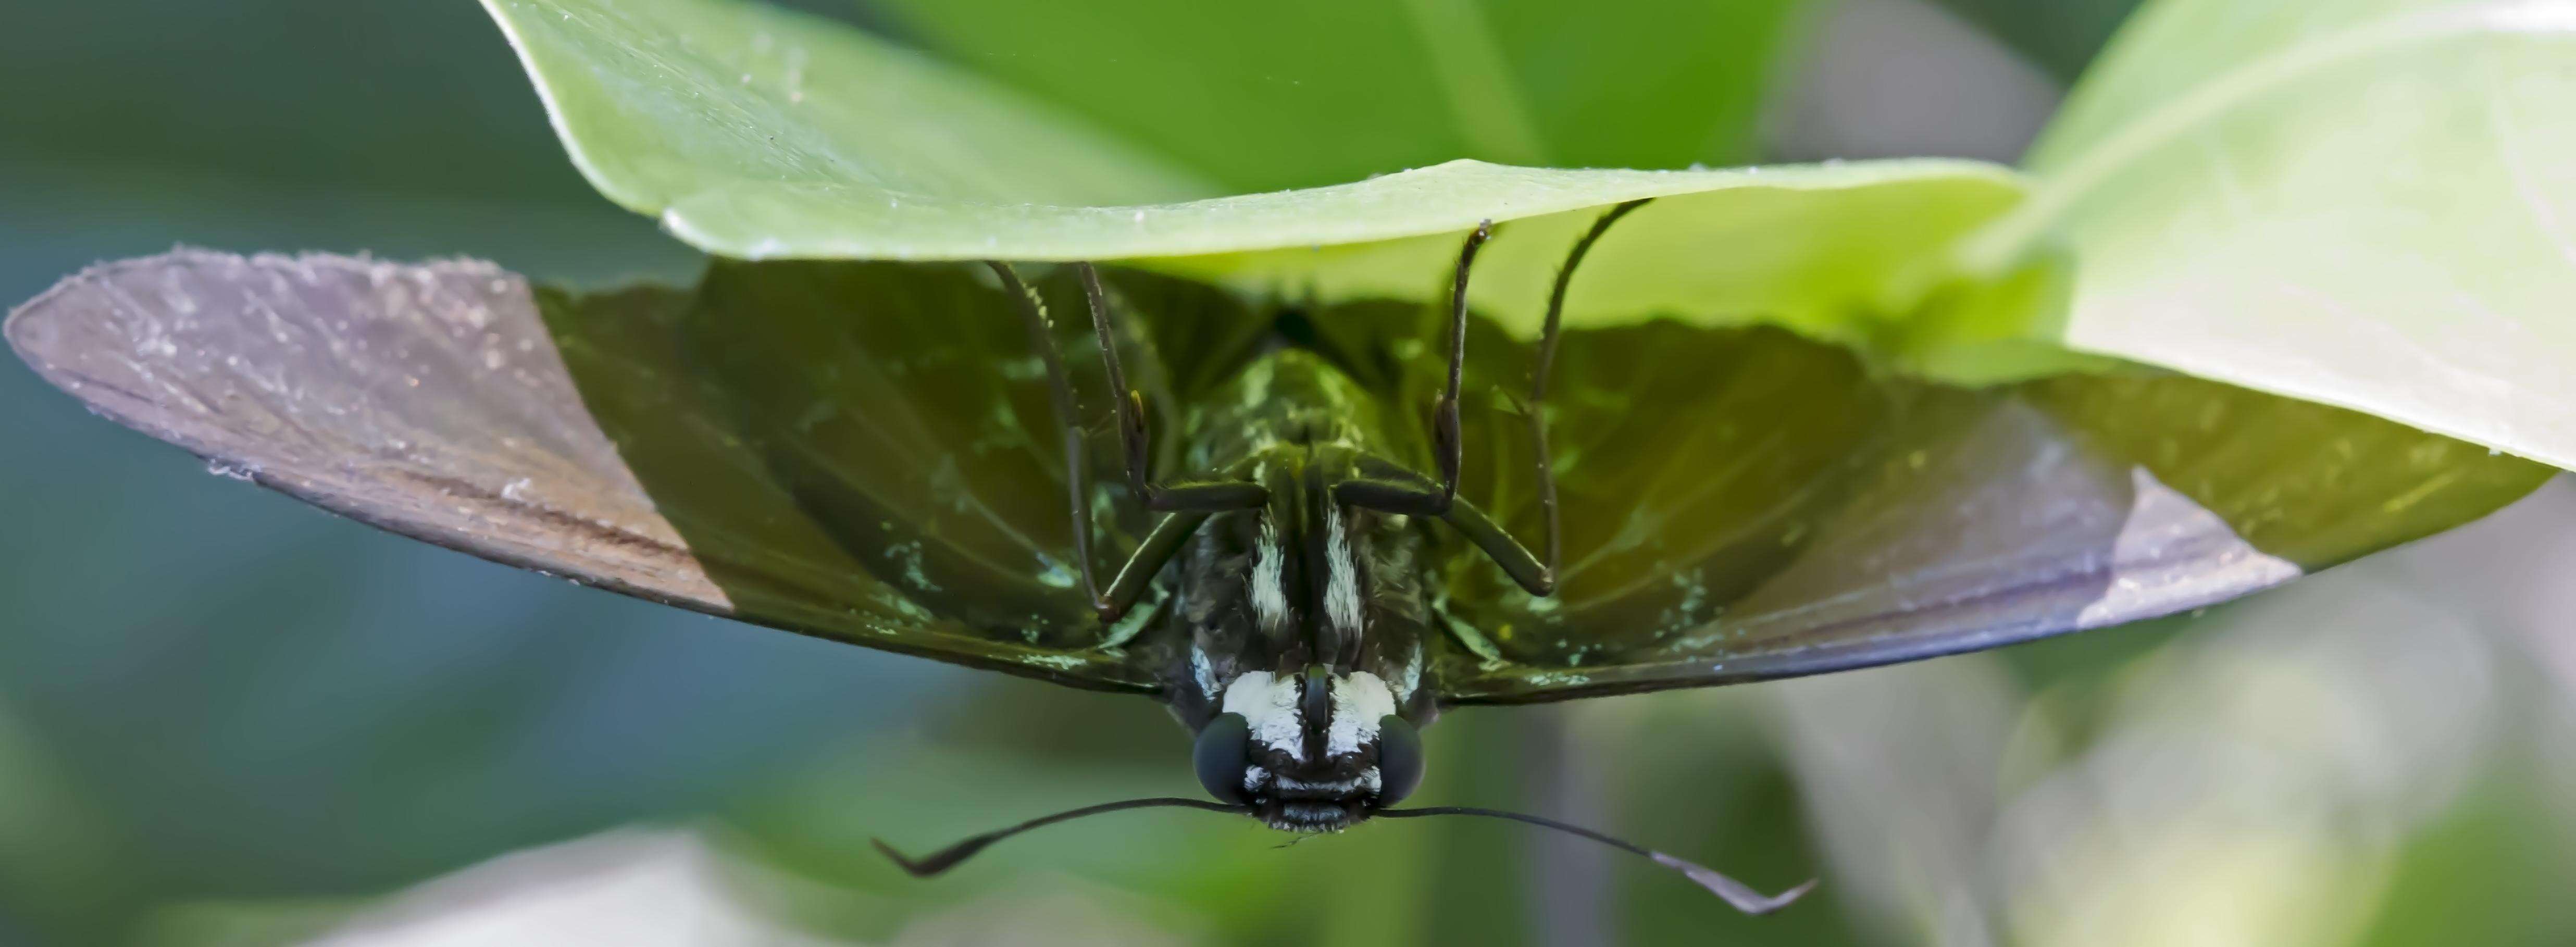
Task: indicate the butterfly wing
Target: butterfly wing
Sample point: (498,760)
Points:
(882,486)
(1745,504)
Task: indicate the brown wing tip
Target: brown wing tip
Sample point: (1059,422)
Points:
(57,326)
(13,328)
(20,328)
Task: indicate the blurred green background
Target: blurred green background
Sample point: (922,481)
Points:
(228,718)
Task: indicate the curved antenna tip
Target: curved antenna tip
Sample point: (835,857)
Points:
(1774,902)
(909,866)
(1735,893)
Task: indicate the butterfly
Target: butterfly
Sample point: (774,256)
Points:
(1305,528)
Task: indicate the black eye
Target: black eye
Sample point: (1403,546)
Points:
(1399,760)
(1220,756)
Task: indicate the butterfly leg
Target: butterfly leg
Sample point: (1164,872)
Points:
(1133,578)
(1405,492)
(1446,450)
(1396,491)
(1546,472)
(1390,491)
(1204,497)
(1160,545)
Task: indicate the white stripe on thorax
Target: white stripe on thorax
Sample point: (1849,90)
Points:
(1269,578)
(1342,591)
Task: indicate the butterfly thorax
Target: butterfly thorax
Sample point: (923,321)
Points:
(1305,616)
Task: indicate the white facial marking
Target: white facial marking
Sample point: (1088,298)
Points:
(1342,591)
(1293,784)
(1359,702)
(1269,705)
(1205,673)
(1254,776)
(1411,677)
(1269,579)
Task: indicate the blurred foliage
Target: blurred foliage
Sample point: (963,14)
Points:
(213,691)
(225,715)
(306,93)
(2060,36)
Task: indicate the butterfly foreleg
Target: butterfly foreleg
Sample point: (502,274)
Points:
(1446,448)
(1159,546)
(1394,494)
(1138,573)
(1390,495)
(1546,472)
(1132,437)
(1137,443)
(1187,505)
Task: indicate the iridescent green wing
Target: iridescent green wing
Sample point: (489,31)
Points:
(1743,504)
(859,452)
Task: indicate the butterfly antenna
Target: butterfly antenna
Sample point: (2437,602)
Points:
(947,858)
(1735,892)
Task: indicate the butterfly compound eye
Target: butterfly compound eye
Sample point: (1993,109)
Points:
(1399,760)
(1221,756)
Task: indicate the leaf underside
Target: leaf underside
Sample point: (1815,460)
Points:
(756,133)
(2197,206)
(863,452)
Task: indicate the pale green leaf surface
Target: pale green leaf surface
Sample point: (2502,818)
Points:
(757,134)
(2366,203)
(1836,251)
(670,102)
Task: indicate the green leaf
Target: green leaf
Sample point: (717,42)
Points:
(1843,251)
(2224,229)
(2366,203)
(1263,96)
(757,133)
(669,103)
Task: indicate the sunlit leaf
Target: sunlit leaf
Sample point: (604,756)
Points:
(2058,35)
(2369,203)
(756,133)
(685,106)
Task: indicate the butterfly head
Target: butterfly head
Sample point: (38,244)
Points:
(1309,752)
